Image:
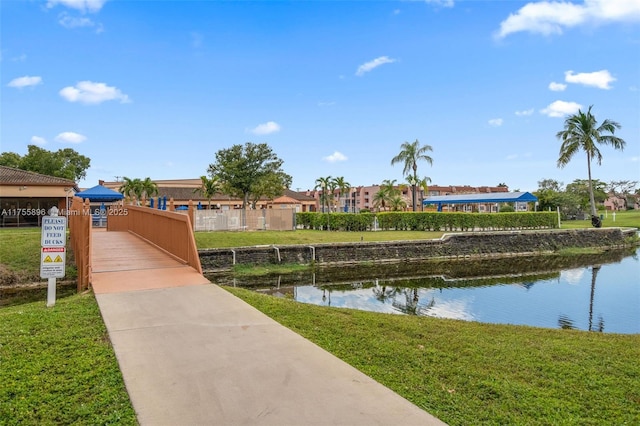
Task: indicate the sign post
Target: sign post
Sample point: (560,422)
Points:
(52,255)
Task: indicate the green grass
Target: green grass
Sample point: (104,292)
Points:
(241,239)
(470,373)
(20,255)
(623,219)
(57,366)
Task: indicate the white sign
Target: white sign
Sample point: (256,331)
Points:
(54,231)
(52,261)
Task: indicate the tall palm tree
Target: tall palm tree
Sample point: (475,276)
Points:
(582,133)
(342,185)
(209,188)
(325,183)
(410,154)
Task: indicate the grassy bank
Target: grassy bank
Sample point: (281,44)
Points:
(303,236)
(470,373)
(57,366)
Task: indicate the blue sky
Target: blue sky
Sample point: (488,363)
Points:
(156,88)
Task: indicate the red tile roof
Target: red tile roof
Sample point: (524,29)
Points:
(12,176)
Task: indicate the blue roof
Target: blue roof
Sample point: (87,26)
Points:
(495,197)
(100,193)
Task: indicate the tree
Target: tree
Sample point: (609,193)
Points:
(385,194)
(64,163)
(325,183)
(410,154)
(342,186)
(132,188)
(209,188)
(421,184)
(582,133)
(580,188)
(241,168)
(397,203)
(10,159)
(149,188)
(270,186)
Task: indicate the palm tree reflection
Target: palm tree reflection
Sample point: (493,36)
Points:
(565,322)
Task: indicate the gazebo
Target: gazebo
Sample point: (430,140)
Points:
(100,194)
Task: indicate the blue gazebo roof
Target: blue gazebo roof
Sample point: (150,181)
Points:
(496,197)
(100,193)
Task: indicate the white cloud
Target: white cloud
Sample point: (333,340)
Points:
(552,17)
(599,79)
(88,92)
(266,128)
(557,87)
(561,108)
(496,122)
(25,81)
(441,3)
(83,6)
(335,157)
(68,21)
(38,140)
(512,157)
(525,112)
(368,66)
(326,104)
(70,137)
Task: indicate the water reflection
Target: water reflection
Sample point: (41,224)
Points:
(554,292)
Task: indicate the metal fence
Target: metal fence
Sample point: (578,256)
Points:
(248,220)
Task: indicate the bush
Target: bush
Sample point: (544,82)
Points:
(428,221)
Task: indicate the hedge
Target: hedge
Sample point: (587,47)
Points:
(427,221)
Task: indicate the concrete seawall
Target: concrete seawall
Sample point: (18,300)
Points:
(467,245)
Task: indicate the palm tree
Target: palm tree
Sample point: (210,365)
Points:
(397,203)
(209,188)
(324,183)
(131,188)
(423,184)
(384,195)
(582,133)
(410,154)
(148,188)
(342,185)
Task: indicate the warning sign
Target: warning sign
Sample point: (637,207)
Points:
(52,262)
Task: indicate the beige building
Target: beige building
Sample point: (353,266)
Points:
(26,196)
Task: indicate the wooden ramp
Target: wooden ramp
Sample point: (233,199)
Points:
(123,262)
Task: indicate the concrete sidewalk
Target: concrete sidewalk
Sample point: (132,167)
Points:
(197,355)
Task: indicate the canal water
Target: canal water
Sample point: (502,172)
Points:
(596,292)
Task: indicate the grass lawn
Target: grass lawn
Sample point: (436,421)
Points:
(57,366)
(467,373)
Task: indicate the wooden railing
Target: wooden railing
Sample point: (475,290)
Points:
(170,231)
(79,216)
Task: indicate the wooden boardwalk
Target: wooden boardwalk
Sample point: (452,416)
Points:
(123,262)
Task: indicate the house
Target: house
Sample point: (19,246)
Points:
(27,196)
